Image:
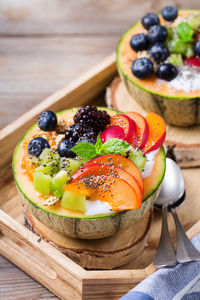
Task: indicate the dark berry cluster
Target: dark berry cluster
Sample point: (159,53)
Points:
(77,131)
(88,122)
(90,116)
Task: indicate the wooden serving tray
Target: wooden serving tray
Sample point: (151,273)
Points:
(40,259)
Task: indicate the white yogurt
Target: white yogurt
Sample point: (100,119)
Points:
(149,163)
(188,79)
(97,207)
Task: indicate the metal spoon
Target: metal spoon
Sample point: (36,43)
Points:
(171,196)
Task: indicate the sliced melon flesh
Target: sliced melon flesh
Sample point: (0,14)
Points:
(73,201)
(58,182)
(41,183)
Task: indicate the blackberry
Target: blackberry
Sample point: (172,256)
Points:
(90,116)
(77,131)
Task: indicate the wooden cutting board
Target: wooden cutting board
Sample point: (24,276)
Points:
(182,143)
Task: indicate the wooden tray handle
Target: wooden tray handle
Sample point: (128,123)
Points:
(39,259)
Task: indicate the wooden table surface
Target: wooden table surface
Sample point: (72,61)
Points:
(44,44)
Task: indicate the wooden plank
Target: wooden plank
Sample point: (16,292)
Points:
(15,284)
(33,68)
(82,17)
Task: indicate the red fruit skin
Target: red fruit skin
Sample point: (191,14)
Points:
(192,61)
(80,171)
(157,132)
(130,135)
(142,128)
(157,144)
(133,139)
(113,132)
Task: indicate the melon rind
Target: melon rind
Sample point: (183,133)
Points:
(92,227)
(180,111)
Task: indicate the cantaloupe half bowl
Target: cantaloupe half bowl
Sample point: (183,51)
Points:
(177,107)
(74,223)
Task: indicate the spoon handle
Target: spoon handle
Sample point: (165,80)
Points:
(165,256)
(185,250)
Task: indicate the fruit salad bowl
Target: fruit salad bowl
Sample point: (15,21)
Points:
(90,172)
(158,60)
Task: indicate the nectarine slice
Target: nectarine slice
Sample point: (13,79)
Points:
(111,171)
(119,161)
(142,128)
(127,124)
(116,191)
(157,132)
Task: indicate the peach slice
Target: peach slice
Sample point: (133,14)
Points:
(111,171)
(157,132)
(128,125)
(117,192)
(119,162)
(142,128)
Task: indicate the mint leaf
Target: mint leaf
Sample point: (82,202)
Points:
(185,32)
(84,150)
(113,146)
(98,144)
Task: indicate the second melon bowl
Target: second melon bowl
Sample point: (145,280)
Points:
(177,107)
(76,224)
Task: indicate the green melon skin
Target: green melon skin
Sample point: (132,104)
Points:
(179,112)
(183,111)
(89,227)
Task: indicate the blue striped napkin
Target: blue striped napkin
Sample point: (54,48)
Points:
(180,282)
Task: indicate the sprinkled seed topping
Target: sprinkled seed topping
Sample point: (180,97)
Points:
(50,201)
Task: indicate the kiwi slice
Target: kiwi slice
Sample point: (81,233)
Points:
(71,165)
(136,156)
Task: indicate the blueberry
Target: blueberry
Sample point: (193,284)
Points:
(167,72)
(169,13)
(142,67)
(37,145)
(149,20)
(138,42)
(157,33)
(64,149)
(197,48)
(158,52)
(87,140)
(47,120)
